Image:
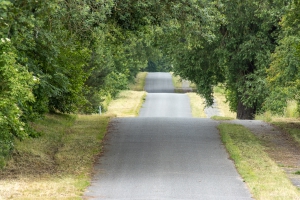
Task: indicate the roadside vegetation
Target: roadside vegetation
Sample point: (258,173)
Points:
(139,82)
(197,102)
(265,179)
(220,99)
(53,60)
(127,104)
(291,127)
(197,105)
(177,81)
(257,157)
(182,86)
(59,163)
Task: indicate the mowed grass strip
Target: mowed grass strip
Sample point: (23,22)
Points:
(264,178)
(58,164)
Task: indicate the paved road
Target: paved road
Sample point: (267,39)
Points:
(155,157)
(159,82)
(166,105)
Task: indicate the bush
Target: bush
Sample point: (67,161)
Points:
(15,90)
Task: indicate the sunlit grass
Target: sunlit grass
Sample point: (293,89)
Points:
(197,105)
(264,178)
(224,106)
(139,82)
(221,118)
(291,113)
(220,99)
(177,81)
(127,104)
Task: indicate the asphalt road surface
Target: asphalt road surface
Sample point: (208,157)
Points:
(159,82)
(164,157)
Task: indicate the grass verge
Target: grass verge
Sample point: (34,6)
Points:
(293,128)
(58,164)
(221,118)
(139,82)
(197,105)
(219,96)
(178,84)
(262,175)
(177,81)
(127,104)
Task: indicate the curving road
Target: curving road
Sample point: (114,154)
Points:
(165,154)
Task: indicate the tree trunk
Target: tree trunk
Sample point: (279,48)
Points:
(245,113)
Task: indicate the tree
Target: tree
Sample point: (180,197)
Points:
(238,56)
(16,84)
(284,72)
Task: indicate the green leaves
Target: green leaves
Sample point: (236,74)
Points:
(284,72)
(15,90)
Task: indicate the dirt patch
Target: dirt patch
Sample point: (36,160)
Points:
(280,146)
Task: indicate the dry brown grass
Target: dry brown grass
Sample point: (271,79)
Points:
(197,105)
(127,104)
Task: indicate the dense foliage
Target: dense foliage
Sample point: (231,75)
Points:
(284,72)
(70,55)
(237,56)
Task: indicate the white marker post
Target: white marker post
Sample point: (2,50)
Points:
(99,110)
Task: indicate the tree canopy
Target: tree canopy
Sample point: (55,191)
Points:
(69,55)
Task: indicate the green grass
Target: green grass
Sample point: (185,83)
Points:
(263,176)
(297,173)
(221,118)
(58,164)
(291,127)
(291,113)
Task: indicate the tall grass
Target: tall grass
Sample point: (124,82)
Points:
(291,113)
